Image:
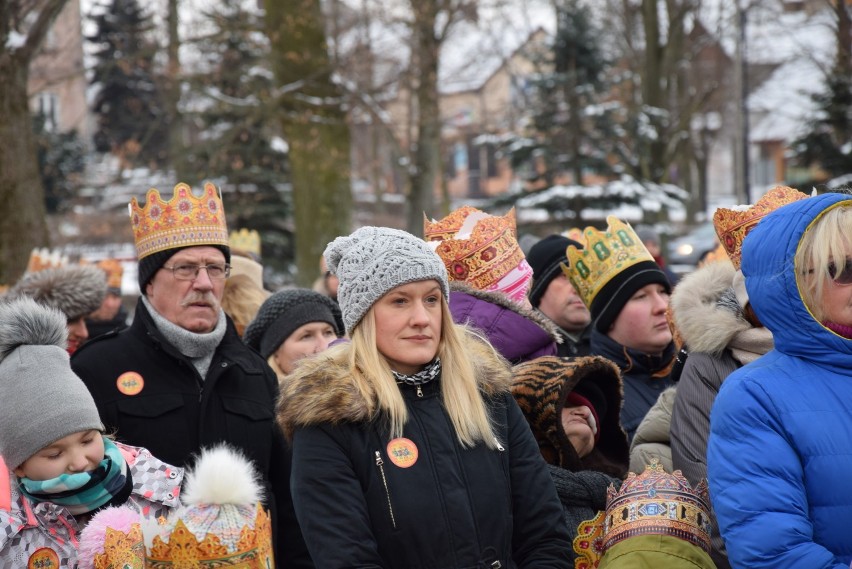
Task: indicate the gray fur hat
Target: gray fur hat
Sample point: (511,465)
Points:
(284,312)
(41,399)
(76,290)
(372,261)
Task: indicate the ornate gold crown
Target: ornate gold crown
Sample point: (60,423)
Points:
(732,225)
(253,549)
(44,258)
(113,270)
(183,221)
(246,240)
(122,550)
(481,260)
(589,543)
(605,254)
(659,503)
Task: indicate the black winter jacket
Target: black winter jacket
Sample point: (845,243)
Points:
(176,413)
(452,507)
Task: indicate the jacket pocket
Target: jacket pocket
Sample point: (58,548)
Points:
(150,407)
(249,426)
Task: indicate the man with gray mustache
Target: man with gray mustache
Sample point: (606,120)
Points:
(179,379)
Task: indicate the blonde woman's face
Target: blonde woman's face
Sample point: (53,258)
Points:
(408,325)
(837,294)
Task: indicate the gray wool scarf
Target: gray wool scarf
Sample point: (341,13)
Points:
(199,348)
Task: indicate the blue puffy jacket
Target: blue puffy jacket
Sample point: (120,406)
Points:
(780,450)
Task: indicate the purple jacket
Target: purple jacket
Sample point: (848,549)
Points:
(518,334)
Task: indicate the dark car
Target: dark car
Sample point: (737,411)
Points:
(685,251)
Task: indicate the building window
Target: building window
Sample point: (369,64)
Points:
(47,106)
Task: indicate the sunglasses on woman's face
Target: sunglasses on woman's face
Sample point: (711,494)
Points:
(844,275)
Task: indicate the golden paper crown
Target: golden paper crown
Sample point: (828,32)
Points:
(605,255)
(183,221)
(44,258)
(122,550)
(481,260)
(113,270)
(589,543)
(253,549)
(246,240)
(732,225)
(658,503)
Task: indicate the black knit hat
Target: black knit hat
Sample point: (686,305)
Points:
(545,258)
(614,295)
(285,311)
(151,264)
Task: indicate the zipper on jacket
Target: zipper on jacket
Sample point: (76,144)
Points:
(380,464)
(419,391)
(499,446)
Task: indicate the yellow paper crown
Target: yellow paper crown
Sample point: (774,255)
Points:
(658,503)
(113,270)
(604,255)
(246,240)
(588,545)
(733,225)
(481,260)
(183,221)
(122,550)
(44,258)
(182,549)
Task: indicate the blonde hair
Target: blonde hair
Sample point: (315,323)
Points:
(459,389)
(275,367)
(242,299)
(824,242)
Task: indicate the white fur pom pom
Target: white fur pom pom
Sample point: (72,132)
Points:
(222,475)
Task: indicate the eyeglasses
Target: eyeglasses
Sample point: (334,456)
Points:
(842,277)
(215,271)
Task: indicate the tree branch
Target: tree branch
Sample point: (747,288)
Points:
(44,19)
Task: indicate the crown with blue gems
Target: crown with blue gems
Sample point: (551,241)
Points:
(186,220)
(658,503)
(604,255)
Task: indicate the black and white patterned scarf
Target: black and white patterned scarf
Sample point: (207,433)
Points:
(422,377)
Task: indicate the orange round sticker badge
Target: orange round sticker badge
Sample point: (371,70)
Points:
(43,558)
(402,452)
(130,383)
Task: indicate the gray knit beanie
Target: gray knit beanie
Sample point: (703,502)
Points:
(372,261)
(41,399)
(284,312)
(76,290)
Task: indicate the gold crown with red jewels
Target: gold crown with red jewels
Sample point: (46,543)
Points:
(252,548)
(186,220)
(488,255)
(604,255)
(732,225)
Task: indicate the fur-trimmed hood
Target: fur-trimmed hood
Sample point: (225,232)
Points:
(76,290)
(321,389)
(705,310)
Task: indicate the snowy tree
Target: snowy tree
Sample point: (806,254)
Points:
(24,24)
(828,142)
(131,119)
(232,109)
(61,162)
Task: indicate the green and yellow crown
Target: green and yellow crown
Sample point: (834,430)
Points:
(183,221)
(604,255)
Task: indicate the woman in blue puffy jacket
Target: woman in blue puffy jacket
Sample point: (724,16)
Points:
(780,450)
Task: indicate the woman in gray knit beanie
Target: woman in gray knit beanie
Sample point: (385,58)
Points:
(408,448)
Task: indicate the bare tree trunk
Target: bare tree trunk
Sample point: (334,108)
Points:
(427,154)
(316,130)
(173,92)
(22,212)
